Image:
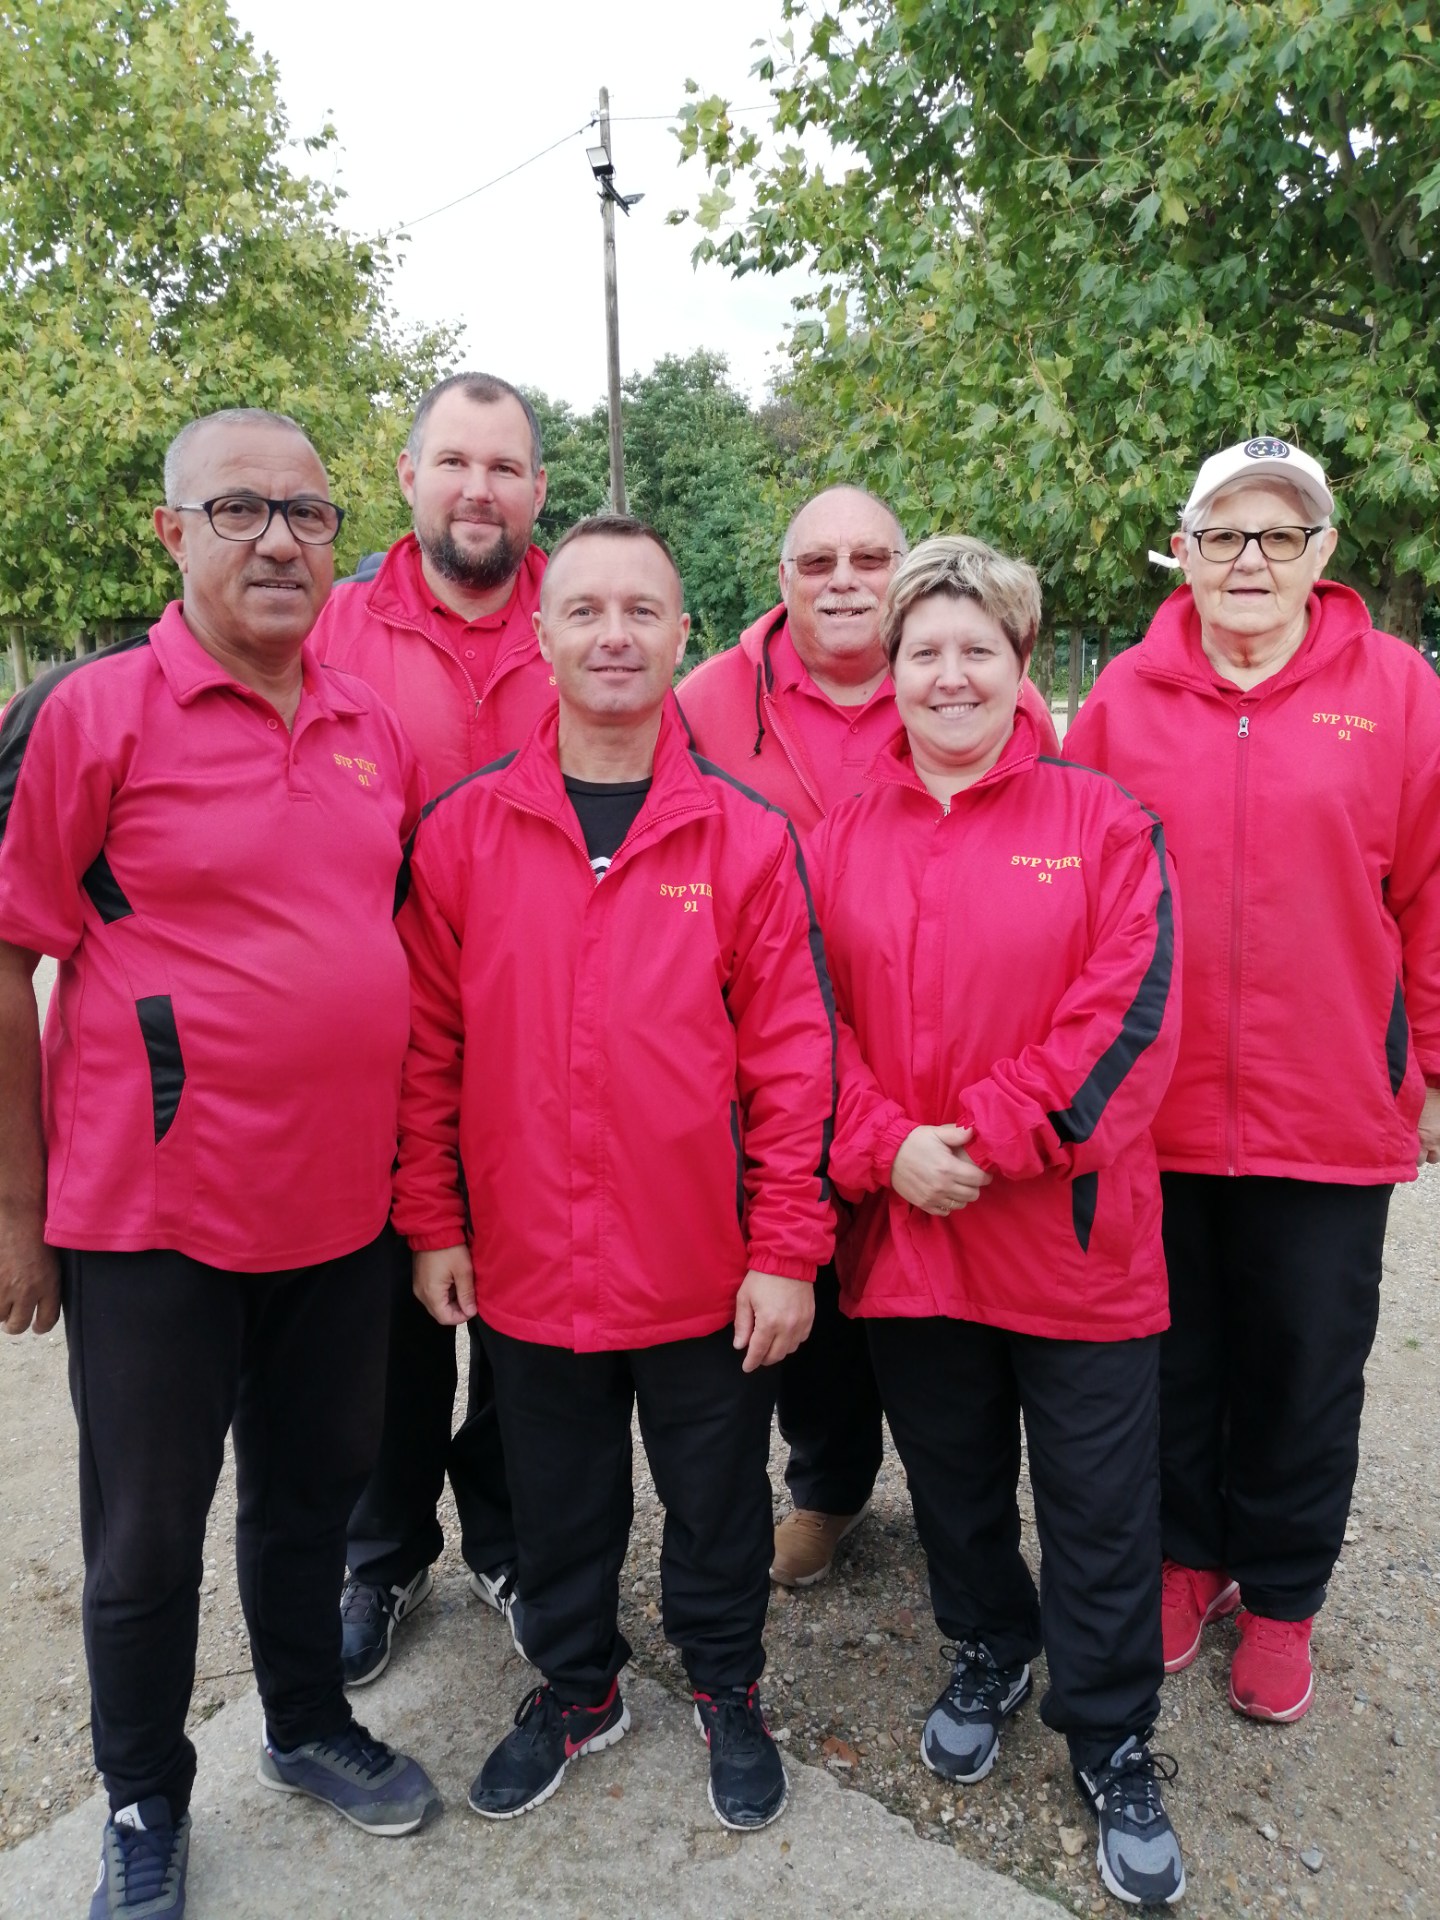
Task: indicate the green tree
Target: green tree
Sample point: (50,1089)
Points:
(1073,248)
(158,261)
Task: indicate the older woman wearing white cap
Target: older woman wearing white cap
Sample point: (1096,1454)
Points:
(1293,754)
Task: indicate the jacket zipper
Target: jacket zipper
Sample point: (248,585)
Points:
(408,626)
(1237,901)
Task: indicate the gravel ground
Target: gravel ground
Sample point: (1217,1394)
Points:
(1334,1817)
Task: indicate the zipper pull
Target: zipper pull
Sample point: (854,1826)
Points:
(1244,726)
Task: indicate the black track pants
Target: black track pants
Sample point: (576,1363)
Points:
(829,1410)
(394,1530)
(953,1394)
(706,1429)
(167,1355)
(1274,1300)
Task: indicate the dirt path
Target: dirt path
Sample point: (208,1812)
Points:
(1335,1817)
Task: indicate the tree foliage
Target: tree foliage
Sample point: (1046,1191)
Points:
(1066,250)
(157,261)
(713,476)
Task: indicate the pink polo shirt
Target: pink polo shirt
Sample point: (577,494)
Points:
(223,1047)
(840,743)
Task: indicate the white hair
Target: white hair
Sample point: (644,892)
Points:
(178,451)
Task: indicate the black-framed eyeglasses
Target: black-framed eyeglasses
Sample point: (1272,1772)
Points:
(245,516)
(1276,543)
(822,563)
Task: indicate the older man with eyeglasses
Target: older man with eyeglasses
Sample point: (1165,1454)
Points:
(1293,754)
(204,826)
(799,710)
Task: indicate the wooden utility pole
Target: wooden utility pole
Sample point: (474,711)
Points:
(612,318)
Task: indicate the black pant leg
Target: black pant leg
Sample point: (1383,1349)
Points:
(705,1423)
(1193,1370)
(307,1422)
(1306,1256)
(154,1355)
(477,1470)
(953,1407)
(565,1419)
(829,1410)
(1092,1426)
(393,1531)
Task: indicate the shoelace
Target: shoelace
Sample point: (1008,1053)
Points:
(735,1711)
(359,1750)
(541,1706)
(1136,1778)
(1276,1636)
(147,1860)
(976,1680)
(1176,1586)
(358,1601)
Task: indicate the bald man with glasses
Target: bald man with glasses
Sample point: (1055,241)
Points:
(799,710)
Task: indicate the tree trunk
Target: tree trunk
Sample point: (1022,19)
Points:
(1103,655)
(1077,671)
(1397,605)
(1042,664)
(19,665)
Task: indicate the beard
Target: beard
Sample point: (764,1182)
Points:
(475,570)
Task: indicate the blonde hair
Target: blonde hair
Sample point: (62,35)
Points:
(963,568)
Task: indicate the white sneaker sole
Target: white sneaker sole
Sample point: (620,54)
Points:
(738,1826)
(1277,1719)
(596,1744)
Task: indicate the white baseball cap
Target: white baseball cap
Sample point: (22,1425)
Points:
(1263,458)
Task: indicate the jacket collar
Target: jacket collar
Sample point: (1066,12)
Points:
(395,596)
(893,766)
(533,780)
(1171,649)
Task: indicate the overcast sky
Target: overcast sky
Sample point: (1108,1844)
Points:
(432,98)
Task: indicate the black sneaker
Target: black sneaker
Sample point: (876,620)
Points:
(496,1589)
(369,1616)
(143,1858)
(962,1734)
(530,1762)
(748,1787)
(1139,1856)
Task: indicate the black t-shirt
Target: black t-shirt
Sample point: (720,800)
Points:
(606,811)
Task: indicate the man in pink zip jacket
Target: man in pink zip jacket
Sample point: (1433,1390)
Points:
(204,827)
(799,710)
(616,1117)
(444,634)
(1293,754)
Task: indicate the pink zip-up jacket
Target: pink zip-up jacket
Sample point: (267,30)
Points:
(1007,963)
(739,718)
(386,631)
(619,1092)
(1304,819)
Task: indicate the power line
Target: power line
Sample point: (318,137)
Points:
(404,226)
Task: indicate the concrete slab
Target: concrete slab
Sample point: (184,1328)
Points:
(630,1832)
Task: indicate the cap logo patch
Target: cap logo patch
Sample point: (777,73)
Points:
(1266,450)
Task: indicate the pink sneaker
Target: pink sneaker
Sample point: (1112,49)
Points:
(1190,1598)
(1271,1677)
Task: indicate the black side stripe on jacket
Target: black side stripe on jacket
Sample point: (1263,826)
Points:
(817,953)
(1397,1040)
(402,878)
(1139,1027)
(167,1067)
(1084,1192)
(19,722)
(105,891)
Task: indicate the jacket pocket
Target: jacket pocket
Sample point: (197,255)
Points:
(167,1065)
(1397,1040)
(1084,1192)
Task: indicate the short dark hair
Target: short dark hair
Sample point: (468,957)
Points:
(617,526)
(486,391)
